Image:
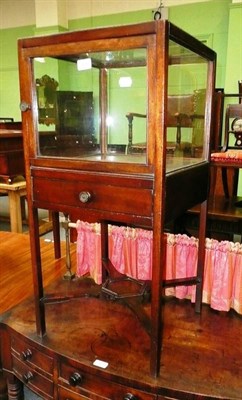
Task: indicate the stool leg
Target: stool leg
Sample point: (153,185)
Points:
(235,182)
(213,179)
(225,182)
(23,210)
(15,211)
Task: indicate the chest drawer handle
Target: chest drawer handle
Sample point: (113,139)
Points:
(130,396)
(84,197)
(26,355)
(28,377)
(75,379)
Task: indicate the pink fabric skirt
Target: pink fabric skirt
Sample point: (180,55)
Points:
(130,251)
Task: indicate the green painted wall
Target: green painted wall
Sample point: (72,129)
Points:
(217,22)
(207,21)
(9,79)
(197,19)
(234,57)
(234,53)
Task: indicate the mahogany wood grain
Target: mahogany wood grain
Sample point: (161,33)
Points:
(221,208)
(224,218)
(119,190)
(201,357)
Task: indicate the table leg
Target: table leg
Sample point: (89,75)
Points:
(3,388)
(15,389)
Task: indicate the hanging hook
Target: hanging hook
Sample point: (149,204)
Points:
(158,12)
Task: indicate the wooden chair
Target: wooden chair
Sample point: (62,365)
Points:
(230,155)
(181,114)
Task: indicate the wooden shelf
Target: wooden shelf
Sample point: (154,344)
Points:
(224,218)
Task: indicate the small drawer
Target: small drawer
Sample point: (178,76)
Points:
(34,380)
(28,354)
(87,385)
(92,196)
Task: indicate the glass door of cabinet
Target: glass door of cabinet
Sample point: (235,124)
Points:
(86,103)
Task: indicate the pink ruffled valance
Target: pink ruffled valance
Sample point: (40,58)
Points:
(130,251)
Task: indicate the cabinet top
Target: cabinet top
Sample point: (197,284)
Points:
(134,98)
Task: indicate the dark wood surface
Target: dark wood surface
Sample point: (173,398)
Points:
(127,192)
(11,151)
(201,357)
(224,218)
(201,354)
(221,208)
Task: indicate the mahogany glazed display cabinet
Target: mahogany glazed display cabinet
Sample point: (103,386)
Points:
(139,158)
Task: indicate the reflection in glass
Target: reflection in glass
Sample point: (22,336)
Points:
(98,110)
(187,80)
(96,92)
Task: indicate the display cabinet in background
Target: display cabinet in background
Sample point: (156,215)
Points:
(130,147)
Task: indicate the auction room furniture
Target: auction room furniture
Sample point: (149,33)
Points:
(11,151)
(15,257)
(15,192)
(126,68)
(224,219)
(182,112)
(230,156)
(224,206)
(12,168)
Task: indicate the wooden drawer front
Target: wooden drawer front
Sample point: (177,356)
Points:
(65,394)
(90,386)
(32,357)
(166,398)
(33,379)
(111,198)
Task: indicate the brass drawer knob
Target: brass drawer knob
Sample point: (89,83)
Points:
(84,197)
(75,379)
(26,355)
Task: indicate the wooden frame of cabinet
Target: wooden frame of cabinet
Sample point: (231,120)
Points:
(139,191)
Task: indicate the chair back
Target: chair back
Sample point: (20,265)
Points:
(233,127)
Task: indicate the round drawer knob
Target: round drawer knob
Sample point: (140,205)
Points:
(75,379)
(24,106)
(84,197)
(130,396)
(26,355)
(28,377)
